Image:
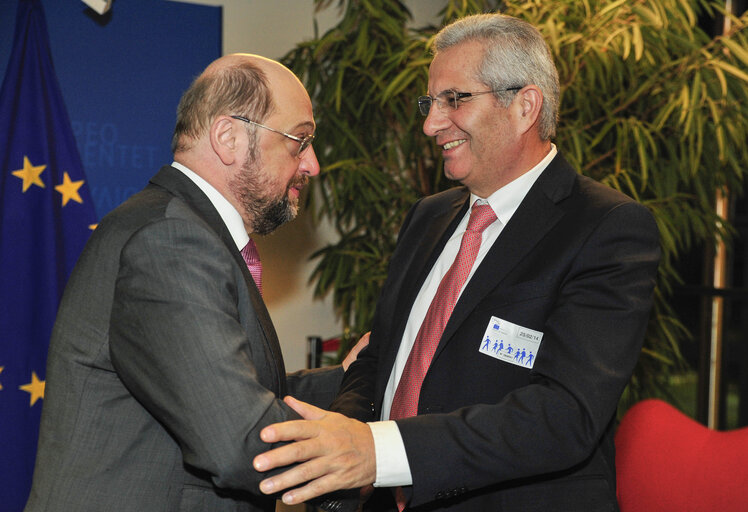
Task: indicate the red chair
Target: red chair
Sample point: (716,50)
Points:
(667,462)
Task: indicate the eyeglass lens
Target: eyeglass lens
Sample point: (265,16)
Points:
(305,143)
(444,98)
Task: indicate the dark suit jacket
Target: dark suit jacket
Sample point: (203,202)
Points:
(163,367)
(577,261)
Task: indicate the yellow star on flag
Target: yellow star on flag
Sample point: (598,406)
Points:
(1,371)
(30,174)
(69,190)
(35,388)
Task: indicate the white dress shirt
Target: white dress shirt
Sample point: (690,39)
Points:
(226,210)
(392,462)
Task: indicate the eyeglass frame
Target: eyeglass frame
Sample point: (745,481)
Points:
(429,100)
(304,142)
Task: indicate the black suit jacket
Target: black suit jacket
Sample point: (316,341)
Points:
(577,261)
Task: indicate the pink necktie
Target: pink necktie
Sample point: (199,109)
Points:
(405,401)
(252,258)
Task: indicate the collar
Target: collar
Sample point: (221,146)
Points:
(226,210)
(507,199)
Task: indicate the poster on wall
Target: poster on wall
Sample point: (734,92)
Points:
(121,75)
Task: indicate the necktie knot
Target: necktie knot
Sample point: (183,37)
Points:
(481,216)
(252,258)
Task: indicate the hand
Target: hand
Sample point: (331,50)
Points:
(358,347)
(336,453)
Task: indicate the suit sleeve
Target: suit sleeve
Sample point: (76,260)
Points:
(317,386)
(592,340)
(180,345)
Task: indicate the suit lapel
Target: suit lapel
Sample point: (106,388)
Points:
(181,186)
(437,231)
(536,216)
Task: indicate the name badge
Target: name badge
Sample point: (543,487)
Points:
(511,343)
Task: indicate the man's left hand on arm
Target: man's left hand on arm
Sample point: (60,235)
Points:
(334,452)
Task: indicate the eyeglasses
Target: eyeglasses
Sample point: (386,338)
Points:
(304,142)
(452,99)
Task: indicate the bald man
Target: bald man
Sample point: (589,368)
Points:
(164,364)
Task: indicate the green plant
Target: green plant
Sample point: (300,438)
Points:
(376,160)
(651,105)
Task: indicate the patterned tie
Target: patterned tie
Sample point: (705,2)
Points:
(252,258)
(405,401)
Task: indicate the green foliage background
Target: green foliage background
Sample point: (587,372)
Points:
(651,105)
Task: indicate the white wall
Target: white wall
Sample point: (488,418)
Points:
(271,28)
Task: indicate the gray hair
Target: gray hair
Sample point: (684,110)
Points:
(240,89)
(515,55)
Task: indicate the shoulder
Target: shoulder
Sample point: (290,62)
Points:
(597,194)
(438,204)
(568,188)
(587,204)
(582,195)
(597,200)
(447,197)
(425,210)
(152,216)
(603,215)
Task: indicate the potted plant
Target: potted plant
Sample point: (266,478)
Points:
(651,105)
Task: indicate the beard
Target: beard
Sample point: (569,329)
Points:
(254,191)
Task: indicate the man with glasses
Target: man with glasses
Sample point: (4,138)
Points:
(511,319)
(164,364)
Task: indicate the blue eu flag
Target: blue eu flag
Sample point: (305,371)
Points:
(46,216)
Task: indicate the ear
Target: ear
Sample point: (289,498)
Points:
(223,139)
(529,102)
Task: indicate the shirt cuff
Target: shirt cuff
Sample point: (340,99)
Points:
(393,469)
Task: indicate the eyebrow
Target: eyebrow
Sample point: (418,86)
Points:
(304,124)
(448,89)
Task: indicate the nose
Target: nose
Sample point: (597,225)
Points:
(436,121)
(308,163)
